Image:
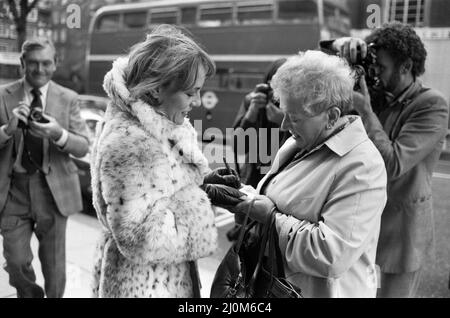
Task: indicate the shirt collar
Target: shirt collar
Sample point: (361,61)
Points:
(43,89)
(347,139)
(412,88)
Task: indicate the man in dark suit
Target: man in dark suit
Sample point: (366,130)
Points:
(39,185)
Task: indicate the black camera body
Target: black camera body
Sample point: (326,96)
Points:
(364,67)
(268,91)
(36,116)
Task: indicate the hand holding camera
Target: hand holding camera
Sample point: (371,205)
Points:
(258,101)
(35,120)
(349,47)
(47,127)
(361,57)
(361,98)
(19,117)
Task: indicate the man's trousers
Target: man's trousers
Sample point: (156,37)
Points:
(30,208)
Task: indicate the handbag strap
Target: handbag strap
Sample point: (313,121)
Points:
(275,256)
(263,243)
(245,227)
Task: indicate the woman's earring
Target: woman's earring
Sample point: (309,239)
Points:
(330,125)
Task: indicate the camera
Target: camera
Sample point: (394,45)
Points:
(268,91)
(36,116)
(365,67)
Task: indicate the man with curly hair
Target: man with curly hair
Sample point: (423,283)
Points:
(407,123)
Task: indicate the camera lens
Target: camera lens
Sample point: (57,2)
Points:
(36,114)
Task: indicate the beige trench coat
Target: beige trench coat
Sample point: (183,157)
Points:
(331,203)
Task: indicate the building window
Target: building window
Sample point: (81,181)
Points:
(63,35)
(407,11)
(55,37)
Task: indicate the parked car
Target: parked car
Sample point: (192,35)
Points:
(92,109)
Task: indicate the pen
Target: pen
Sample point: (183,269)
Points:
(227,165)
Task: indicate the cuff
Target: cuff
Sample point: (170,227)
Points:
(4,137)
(61,142)
(284,224)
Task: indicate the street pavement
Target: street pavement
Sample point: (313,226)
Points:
(82,233)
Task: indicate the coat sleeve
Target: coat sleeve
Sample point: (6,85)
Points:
(417,138)
(4,138)
(149,220)
(350,220)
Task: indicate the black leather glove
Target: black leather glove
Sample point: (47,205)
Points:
(222,195)
(222,176)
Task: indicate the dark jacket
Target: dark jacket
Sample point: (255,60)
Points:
(251,172)
(410,141)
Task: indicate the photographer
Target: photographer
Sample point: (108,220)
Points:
(407,123)
(40,127)
(258,111)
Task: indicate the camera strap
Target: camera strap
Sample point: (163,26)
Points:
(32,157)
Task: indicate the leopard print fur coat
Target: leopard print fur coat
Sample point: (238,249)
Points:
(146,173)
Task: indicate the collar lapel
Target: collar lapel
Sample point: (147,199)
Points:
(16,94)
(53,103)
(285,153)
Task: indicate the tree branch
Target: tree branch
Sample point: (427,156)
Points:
(32,5)
(13,8)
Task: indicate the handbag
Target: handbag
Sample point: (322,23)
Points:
(246,273)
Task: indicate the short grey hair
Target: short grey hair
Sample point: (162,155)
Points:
(38,43)
(167,58)
(316,80)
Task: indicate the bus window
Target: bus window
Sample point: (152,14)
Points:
(254,14)
(216,16)
(163,16)
(244,81)
(108,22)
(297,10)
(230,79)
(188,15)
(134,20)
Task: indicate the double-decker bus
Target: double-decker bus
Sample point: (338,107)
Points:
(242,36)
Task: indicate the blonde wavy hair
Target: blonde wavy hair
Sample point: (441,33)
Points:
(167,58)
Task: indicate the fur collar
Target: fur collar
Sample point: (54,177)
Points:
(181,137)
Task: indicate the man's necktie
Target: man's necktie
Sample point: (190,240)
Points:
(32,149)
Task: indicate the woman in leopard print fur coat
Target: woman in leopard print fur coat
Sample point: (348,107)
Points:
(146,171)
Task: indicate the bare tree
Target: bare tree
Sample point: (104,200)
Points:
(20,10)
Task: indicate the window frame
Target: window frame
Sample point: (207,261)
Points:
(246,4)
(207,23)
